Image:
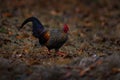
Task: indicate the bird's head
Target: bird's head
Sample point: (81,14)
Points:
(65,28)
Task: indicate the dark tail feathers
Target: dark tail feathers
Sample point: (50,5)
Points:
(37,26)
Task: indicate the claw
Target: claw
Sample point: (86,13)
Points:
(62,54)
(49,51)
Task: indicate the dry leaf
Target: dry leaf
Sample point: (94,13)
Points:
(115,70)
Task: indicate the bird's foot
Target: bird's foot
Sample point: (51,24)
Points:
(49,52)
(62,54)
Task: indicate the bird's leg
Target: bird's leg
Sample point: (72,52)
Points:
(59,52)
(49,51)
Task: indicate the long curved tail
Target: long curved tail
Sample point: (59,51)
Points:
(37,27)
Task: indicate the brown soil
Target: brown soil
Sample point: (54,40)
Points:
(92,51)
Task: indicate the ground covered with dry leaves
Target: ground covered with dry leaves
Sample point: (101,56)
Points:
(92,51)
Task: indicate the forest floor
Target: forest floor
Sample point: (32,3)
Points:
(92,51)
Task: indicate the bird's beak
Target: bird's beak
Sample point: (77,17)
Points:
(69,32)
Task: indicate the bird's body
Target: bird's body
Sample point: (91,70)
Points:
(52,39)
(56,40)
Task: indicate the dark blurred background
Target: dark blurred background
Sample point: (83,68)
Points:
(64,8)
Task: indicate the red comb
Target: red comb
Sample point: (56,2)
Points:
(66,28)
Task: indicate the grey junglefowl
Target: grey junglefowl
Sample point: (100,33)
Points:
(52,39)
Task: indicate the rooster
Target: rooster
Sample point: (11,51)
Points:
(52,39)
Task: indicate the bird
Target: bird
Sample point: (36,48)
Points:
(52,39)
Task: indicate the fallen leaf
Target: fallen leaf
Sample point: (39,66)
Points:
(115,70)
(7,14)
(19,37)
(83,72)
